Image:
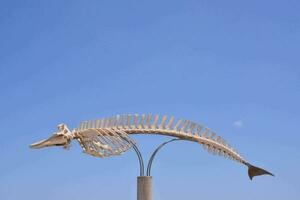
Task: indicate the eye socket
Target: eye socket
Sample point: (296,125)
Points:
(60,127)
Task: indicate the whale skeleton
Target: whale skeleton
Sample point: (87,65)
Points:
(110,136)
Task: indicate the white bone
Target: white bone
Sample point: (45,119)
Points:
(170,124)
(153,126)
(163,121)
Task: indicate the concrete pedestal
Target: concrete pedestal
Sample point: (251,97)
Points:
(144,188)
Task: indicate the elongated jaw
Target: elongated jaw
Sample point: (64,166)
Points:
(55,140)
(38,145)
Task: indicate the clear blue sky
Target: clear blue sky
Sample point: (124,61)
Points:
(233,66)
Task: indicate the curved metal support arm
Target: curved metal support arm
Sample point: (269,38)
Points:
(141,161)
(139,155)
(154,153)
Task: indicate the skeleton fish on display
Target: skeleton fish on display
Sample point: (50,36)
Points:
(110,136)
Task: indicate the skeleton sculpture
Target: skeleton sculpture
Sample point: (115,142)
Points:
(110,136)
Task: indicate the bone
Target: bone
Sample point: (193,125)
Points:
(170,124)
(117,121)
(111,121)
(94,122)
(163,121)
(155,120)
(219,139)
(192,127)
(128,122)
(124,138)
(135,121)
(90,124)
(198,130)
(106,123)
(205,134)
(107,139)
(113,132)
(212,135)
(98,123)
(116,143)
(115,138)
(122,121)
(185,126)
(149,116)
(142,121)
(179,122)
(81,126)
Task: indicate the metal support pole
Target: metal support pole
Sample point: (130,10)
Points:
(144,188)
(144,183)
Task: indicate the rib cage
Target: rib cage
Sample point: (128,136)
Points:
(103,142)
(112,134)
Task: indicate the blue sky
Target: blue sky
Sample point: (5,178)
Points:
(233,66)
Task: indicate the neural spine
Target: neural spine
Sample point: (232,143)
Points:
(111,134)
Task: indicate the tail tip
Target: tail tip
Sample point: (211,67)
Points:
(256,171)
